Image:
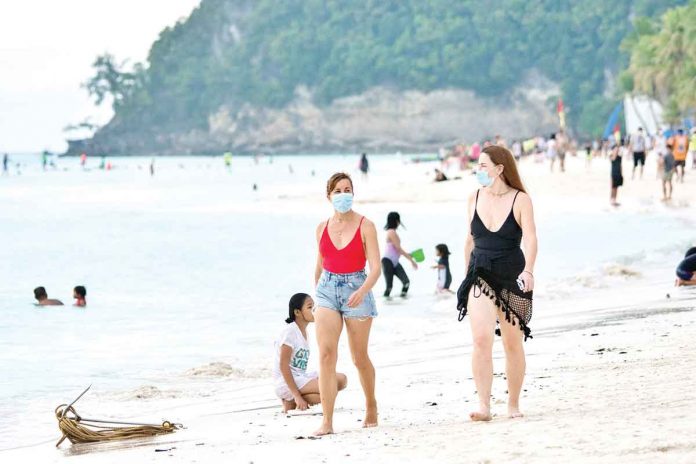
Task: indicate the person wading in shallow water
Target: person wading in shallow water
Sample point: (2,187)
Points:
(500,278)
(347,241)
(392,252)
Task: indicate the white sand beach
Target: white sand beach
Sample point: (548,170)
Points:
(610,371)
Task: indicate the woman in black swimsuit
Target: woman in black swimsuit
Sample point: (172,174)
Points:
(500,278)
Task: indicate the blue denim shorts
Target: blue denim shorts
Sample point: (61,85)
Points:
(333,291)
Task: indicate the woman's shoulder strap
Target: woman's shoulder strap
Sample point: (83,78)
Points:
(515,199)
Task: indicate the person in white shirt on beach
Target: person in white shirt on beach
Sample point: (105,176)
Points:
(297,388)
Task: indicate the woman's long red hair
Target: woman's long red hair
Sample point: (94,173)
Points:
(501,155)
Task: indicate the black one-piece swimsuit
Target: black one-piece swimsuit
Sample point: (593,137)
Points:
(494,266)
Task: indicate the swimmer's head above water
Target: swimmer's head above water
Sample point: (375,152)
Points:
(43,299)
(40,294)
(80,294)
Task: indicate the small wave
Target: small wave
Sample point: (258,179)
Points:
(147,392)
(620,270)
(215,369)
(221,369)
(606,276)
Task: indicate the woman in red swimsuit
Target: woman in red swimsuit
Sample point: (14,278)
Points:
(347,241)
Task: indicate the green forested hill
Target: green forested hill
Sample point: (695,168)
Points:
(231,52)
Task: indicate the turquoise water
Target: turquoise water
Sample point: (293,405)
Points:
(193,266)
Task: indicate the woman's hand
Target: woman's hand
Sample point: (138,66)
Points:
(414,264)
(356,298)
(528,280)
(301,403)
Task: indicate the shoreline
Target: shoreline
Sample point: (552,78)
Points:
(594,390)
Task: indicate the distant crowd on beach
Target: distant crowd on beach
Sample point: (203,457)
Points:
(672,150)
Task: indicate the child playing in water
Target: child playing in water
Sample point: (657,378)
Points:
(297,388)
(80,295)
(444,277)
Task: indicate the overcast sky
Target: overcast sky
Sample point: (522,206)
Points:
(46,51)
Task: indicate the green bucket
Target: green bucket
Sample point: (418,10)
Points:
(418,255)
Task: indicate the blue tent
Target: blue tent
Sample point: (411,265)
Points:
(612,121)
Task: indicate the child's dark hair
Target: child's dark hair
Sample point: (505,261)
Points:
(393,220)
(442,249)
(81,290)
(296,302)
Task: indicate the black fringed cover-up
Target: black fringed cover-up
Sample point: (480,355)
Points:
(494,266)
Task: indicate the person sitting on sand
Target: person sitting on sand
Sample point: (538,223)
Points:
(686,271)
(297,388)
(43,299)
(440,176)
(80,294)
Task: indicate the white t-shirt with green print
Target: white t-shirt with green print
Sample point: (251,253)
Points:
(293,338)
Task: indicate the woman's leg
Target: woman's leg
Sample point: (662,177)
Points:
(401,275)
(310,392)
(515,363)
(388,271)
(482,314)
(329,325)
(358,338)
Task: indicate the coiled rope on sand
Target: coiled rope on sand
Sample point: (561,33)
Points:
(78,429)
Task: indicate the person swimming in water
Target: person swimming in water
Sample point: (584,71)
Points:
(392,253)
(297,388)
(80,295)
(43,299)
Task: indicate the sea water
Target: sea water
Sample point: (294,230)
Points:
(194,265)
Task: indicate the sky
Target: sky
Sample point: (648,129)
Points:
(47,48)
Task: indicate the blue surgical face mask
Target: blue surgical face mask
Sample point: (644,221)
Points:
(342,202)
(483,178)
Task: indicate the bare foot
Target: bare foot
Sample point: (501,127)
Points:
(289,405)
(483,415)
(370,417)
(325,429)
(514,413)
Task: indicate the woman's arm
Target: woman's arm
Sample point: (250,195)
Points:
(285,355)
(319,267)
(529,241)
(396,241)
(373,260)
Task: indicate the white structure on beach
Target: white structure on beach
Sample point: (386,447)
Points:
(642,111)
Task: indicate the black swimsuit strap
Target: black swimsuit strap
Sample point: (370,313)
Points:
(514,199)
